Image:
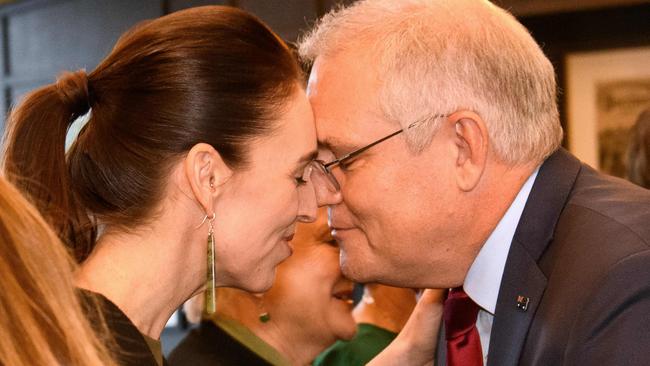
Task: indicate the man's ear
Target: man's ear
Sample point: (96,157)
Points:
(205,171)
(472,142)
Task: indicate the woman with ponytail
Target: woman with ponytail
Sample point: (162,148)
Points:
(191,173)
(42,322)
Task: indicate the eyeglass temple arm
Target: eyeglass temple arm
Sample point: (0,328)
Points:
(359,151)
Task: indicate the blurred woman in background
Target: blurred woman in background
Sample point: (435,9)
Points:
(380,316)
(638,151)
(307,309)
(194,165)
(42,321)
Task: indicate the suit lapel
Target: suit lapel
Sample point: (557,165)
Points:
(522,275)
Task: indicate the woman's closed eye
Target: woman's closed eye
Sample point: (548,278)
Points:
(301,175)
(300,181)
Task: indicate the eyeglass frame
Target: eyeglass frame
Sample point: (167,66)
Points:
(326,167)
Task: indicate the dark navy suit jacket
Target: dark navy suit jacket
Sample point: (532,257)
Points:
(581,255)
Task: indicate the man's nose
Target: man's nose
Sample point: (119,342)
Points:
(325,195)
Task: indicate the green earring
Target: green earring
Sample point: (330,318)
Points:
(210,288)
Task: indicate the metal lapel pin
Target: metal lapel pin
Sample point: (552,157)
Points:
(522,302)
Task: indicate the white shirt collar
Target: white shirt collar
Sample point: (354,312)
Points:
(484,276)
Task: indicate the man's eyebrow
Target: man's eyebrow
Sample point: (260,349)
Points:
(336,146)
(307,157)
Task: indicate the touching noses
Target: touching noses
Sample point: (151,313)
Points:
(313,195)
(307,206)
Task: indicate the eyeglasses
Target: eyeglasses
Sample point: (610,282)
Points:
(324,170)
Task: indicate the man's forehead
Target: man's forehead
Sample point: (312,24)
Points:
(343,69)
(346,137)
(333,131)
(345,102)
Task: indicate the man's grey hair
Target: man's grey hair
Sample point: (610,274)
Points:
(441,56)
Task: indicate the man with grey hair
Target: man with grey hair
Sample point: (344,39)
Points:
(442,168)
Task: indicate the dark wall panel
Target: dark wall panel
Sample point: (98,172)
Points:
(285,17)
(70,34)
(329,4)
(43,38)
(174,5)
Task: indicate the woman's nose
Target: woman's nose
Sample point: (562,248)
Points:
(307,206)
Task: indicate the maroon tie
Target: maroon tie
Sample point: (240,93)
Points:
(463,341)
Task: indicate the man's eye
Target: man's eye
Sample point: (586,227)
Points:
(346,164)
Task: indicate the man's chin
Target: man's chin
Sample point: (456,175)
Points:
(356,270)
(361,271)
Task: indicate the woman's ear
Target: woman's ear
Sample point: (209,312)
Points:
(472,143)
(205,171)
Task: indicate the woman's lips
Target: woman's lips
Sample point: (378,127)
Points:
(285,242)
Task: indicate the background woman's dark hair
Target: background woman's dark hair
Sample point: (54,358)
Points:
(638,151)
(210,74)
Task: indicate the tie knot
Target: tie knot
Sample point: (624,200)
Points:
(460,313)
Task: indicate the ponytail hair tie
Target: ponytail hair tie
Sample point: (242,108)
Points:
(73,90)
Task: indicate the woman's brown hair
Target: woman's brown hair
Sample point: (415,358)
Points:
(210,74)
(42,322)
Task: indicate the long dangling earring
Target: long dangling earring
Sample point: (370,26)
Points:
(210,288)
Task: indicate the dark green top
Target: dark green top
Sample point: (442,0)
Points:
(224,342)
(132,347)
(155,347)
(366,344)
(250,340)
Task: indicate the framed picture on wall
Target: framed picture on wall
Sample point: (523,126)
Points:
(606,91)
